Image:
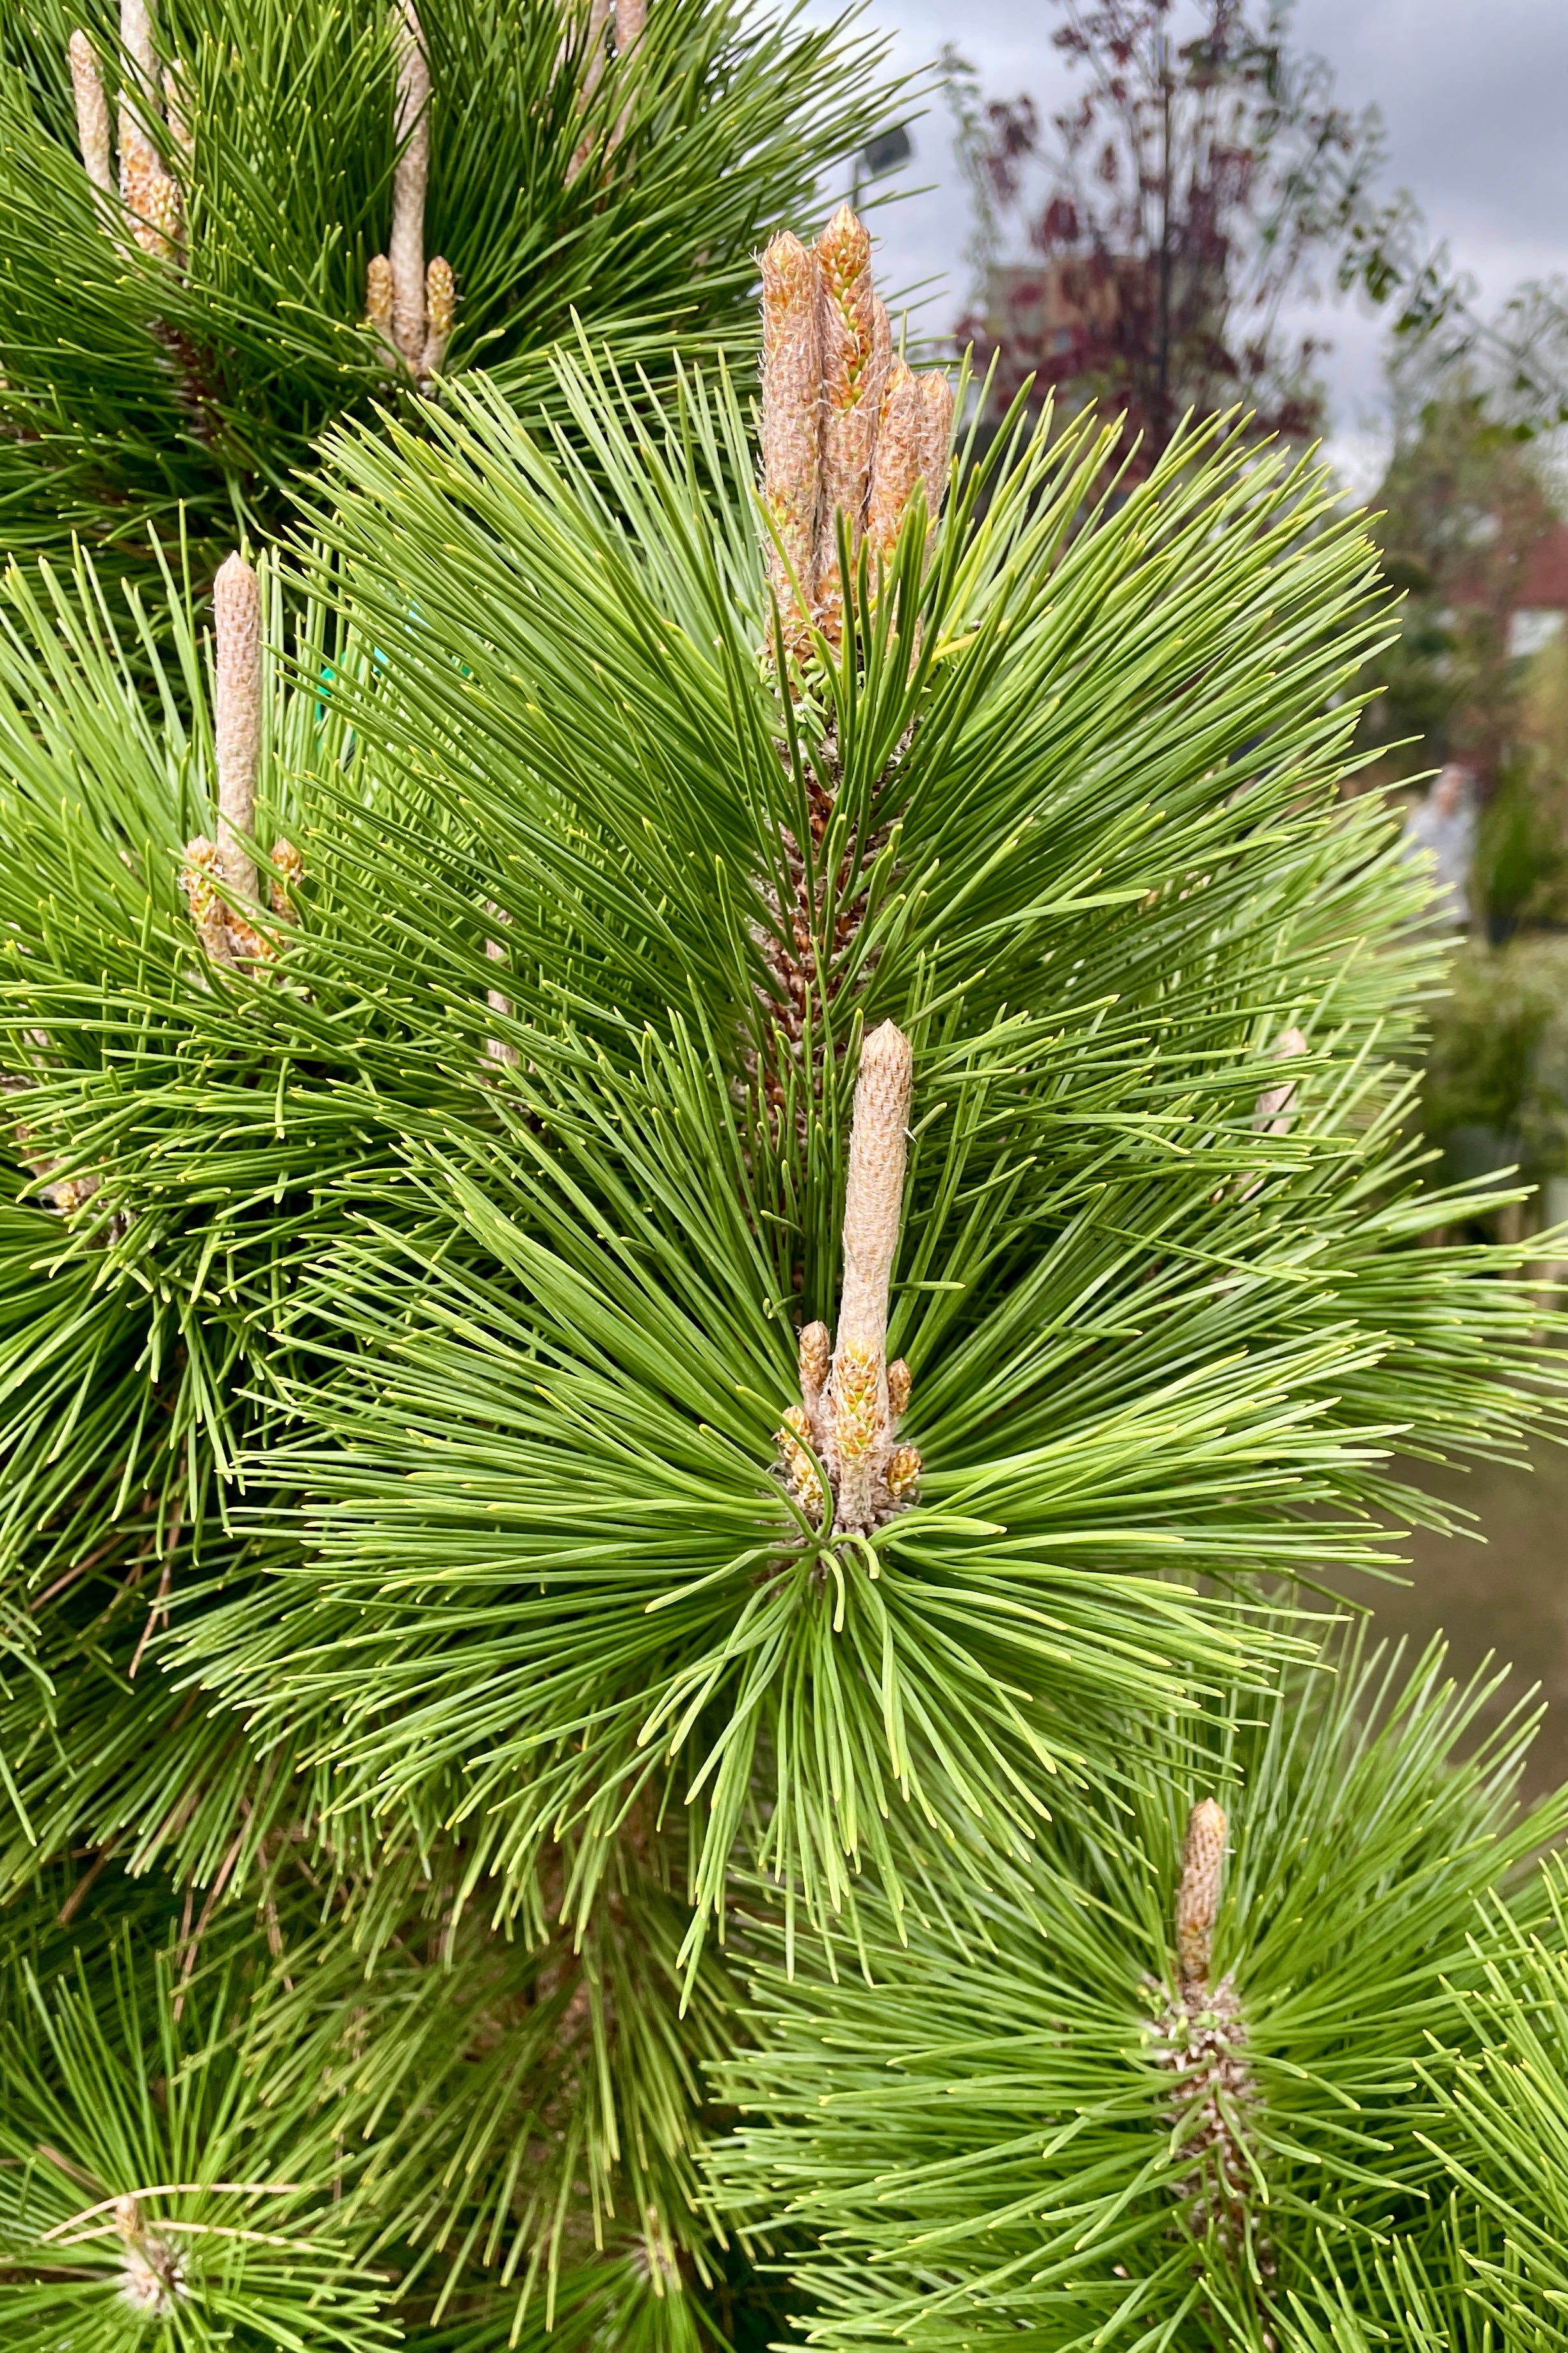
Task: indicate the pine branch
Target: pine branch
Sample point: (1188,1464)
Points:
(986,2140)
(190,312)
(194,2206)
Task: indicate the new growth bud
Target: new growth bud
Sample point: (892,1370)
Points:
(236,624)
(598,24)
(139,170)
(498,1050)
(1197,1897)
(201,880)
(1274,1113)
(904,1468)
(854,354)
(440,309)
(162,230)
(149,195)
(405,248)
(176,108)
(631,16)
(896,467)
(1203,2040)
(136,40)
(289,873)
(219,877)
(410,305)
(852,1398)
(1276,1104)
(858,1421)
(792,424)
(816,1359)
(936,438)
(152,2278)
(848,430)
(792,1441)
(378,298)
(92,114)
(874,1195)
(145,190)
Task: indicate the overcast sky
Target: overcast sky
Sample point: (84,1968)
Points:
(1474,95)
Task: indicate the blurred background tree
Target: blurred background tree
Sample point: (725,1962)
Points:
(1175,218)
(1544,732)
(1470,532)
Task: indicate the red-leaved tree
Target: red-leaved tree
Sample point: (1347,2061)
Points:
(1177,219)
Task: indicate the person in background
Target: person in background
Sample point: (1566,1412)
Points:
(1445,823)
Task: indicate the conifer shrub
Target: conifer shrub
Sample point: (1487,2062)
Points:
(711,1202)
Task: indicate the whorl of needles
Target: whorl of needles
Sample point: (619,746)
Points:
(237,619)
(92,114)
(405,248)
(1197,1896)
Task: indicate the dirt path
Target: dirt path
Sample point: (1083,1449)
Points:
(1508,1595)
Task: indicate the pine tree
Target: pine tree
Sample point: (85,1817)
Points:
(711,1179)
(228,222)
